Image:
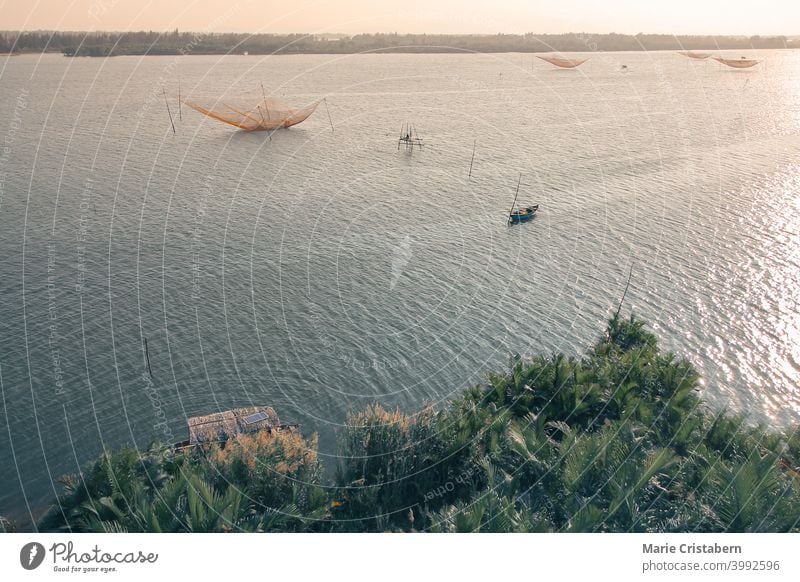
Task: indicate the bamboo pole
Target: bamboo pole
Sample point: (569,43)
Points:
(147,356)
(264,94)
(624,293)
(329,113)
(474,145)
(168,111)
(510,212)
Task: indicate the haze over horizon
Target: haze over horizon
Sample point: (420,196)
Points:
(679,17)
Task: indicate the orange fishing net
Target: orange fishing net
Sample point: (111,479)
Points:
(561,62)
(742,63)
(267,114)
(694,55)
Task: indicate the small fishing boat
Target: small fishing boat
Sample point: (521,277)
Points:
(522,214)
(519,214)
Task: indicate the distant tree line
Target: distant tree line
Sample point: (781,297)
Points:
(175,42)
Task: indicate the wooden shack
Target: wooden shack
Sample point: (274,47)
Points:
(221,426)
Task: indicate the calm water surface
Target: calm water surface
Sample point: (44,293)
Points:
(321,271)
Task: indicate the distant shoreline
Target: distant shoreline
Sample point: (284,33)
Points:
(376,52)
(175,43)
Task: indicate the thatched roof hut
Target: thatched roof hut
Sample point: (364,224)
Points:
(221,426)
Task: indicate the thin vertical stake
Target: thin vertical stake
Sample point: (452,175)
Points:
(474,145)
(264,94)
(147,355)
(510,212)
(168,111)
(180,110)
(329,114)
(624,293)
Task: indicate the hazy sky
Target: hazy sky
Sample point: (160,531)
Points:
(444,16)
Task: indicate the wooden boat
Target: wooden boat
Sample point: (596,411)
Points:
(522,214)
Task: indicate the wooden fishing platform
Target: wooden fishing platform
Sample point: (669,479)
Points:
(409,137)
(221,426)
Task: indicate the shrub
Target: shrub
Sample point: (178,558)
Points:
(277,471)
(617,440)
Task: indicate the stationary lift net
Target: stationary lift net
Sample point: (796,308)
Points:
(267,113)
(742,63)
(562,62)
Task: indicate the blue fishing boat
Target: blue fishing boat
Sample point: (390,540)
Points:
(519,214)
(522,214)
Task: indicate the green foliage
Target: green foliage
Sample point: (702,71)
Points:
(279,473)
(107,488)
(207,490)
(7,525)
(392,463)
(615,441)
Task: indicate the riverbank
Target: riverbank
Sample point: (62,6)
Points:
(616,440)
